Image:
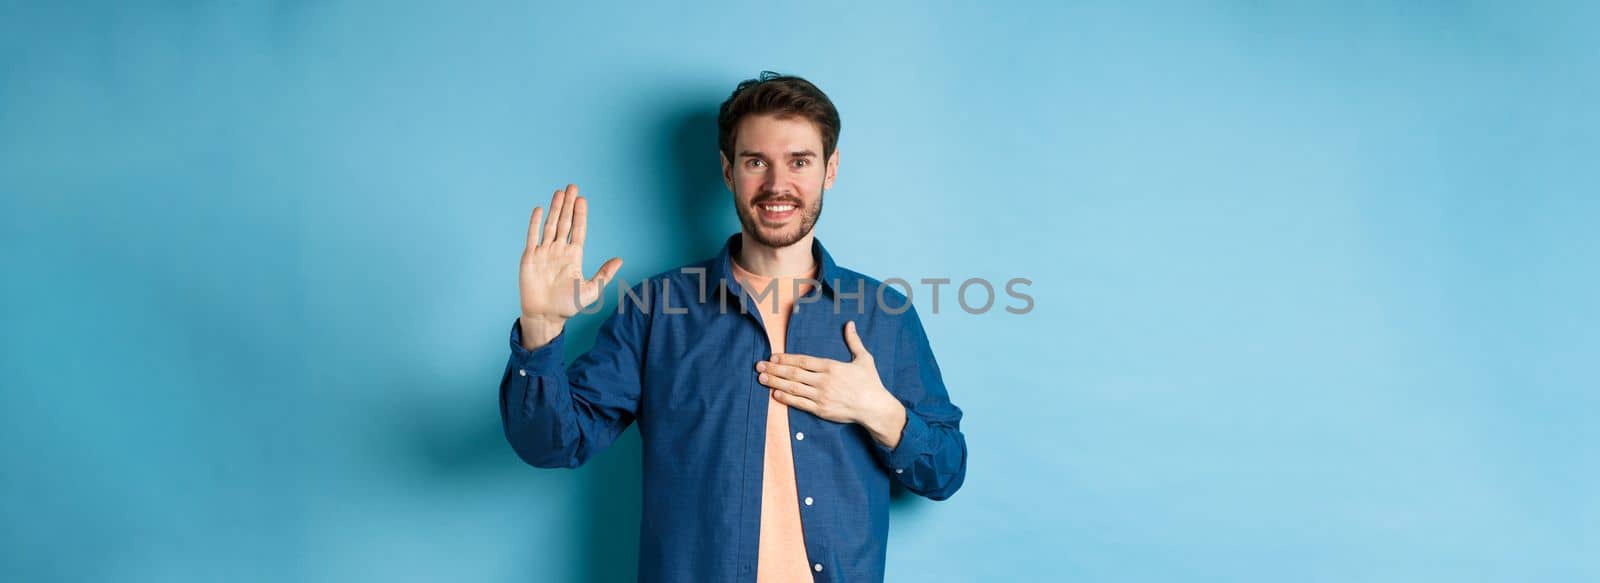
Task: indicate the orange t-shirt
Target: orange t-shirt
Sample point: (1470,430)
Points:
(781,556)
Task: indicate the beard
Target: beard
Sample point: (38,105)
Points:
(786,235)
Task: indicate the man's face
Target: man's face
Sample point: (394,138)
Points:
(777,177)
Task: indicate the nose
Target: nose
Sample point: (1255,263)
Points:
(774,184)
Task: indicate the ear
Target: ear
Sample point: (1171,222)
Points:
(833,169)
(727,170)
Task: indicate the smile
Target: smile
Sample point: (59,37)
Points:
(777,213)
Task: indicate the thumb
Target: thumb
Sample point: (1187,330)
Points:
(590,290)
(607,271)
(857,349)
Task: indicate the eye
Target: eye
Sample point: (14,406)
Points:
(755,163)
(802,163)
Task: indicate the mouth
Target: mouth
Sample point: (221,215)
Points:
(776,212)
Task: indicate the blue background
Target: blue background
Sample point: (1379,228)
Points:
(1315,284)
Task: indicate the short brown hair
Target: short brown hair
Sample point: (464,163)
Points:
(783,96)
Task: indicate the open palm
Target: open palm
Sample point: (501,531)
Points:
(552,285)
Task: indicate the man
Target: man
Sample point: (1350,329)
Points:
(778,394)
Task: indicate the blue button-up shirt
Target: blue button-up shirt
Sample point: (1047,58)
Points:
(679,357)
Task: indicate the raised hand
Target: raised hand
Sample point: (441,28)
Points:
(552,268)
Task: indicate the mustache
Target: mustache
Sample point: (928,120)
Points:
(777,200)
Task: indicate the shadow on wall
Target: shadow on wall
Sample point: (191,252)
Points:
(610,490)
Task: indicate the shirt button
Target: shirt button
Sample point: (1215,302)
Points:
(800,436)
(817,567)
(808,500)
(522,371)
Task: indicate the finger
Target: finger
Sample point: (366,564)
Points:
(788,386)
(810,363)
(790,372)
(606,272)
(857,349)
(550,219)
(796,402)
(590,289)
(580,220)
(533,228)
(564,224)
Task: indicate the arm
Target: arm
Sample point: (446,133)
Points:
(931,456)
(914,428)
(559,417)
(553,416)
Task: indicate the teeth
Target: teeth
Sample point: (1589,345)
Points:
(782,208)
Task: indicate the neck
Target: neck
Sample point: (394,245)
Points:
(768,261)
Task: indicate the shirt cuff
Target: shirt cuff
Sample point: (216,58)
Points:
(546,358)
(913,440)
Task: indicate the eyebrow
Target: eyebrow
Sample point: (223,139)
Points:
(794,154)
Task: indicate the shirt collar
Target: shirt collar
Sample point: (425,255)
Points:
(828,273)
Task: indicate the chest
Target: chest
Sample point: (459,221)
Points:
(699,369)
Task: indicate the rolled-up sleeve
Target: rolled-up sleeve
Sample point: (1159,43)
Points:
(559,417)
(931,457)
